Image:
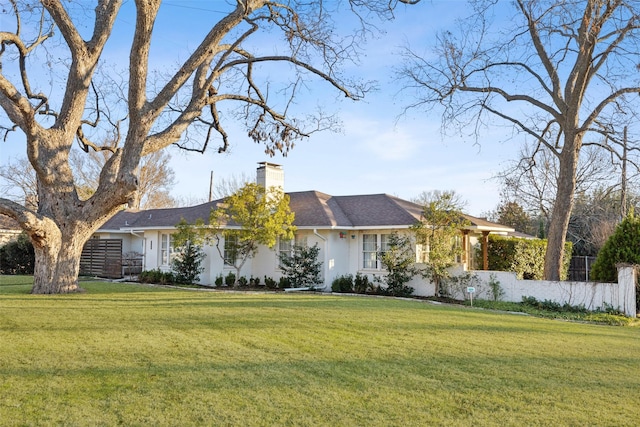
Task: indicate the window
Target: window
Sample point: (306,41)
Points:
(423,249)
(369,251)
(371,243)
(230,249)
(384,243)
(286,246)
(457,244)
(167,251)
(422,253)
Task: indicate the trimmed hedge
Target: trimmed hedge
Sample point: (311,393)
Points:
(525,257)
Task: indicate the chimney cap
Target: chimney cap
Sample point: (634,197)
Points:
(265,164)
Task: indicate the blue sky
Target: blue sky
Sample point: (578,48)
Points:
(378,151)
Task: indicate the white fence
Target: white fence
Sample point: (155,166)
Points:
(620,296)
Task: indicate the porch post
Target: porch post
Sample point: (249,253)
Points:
(465,249)
(485,250)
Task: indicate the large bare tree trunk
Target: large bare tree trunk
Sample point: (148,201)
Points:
(58,265)
(559,224)
(66,223)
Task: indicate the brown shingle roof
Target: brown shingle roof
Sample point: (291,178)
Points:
(158,218)
(312,209)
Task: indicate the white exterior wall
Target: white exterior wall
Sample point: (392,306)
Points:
(334,254)
(152,249)
(339,255)
(265,263)
(355,253)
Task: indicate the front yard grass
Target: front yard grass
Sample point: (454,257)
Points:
(137,355)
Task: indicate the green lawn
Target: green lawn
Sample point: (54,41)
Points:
(135,355)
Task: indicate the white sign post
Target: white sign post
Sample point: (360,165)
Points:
(471,290)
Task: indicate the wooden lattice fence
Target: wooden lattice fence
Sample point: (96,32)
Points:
(102,258)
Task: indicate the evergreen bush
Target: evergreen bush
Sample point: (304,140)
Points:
(230,279)
(361,284)
(284,283)
(157,276)
(17,256)
(622,247)
(302,267)
(270,283)
(399,261)
(187,265)
(342,284)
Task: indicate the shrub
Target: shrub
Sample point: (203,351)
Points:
(496,290)
(157,276)
(188,263)
(254,281)
(622,246)
(549,305)
(270,283)
(302,267)
(525,257)
(230,279)
(242,281)
(342,284)
(168,278)
(399,261)
(456,286)
(284,283)
(219,280)
(17,256)
(361,284)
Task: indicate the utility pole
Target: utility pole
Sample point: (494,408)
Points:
(211,187)
(623,184)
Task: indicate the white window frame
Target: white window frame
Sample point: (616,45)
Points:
(167,249)
(226,257)
(286,246)
(371,244)
(423,250)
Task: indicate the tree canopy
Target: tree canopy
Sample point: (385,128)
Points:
(438,231)
(250,217)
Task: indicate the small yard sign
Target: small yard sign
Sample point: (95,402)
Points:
(471,290)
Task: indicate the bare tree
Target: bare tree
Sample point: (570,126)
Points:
(18,182)
(155,179)
(532,181)
(226,186)
(447,200)
(556,71)
(512,214)
(149,110)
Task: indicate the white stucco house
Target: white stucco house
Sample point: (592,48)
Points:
(348,229)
